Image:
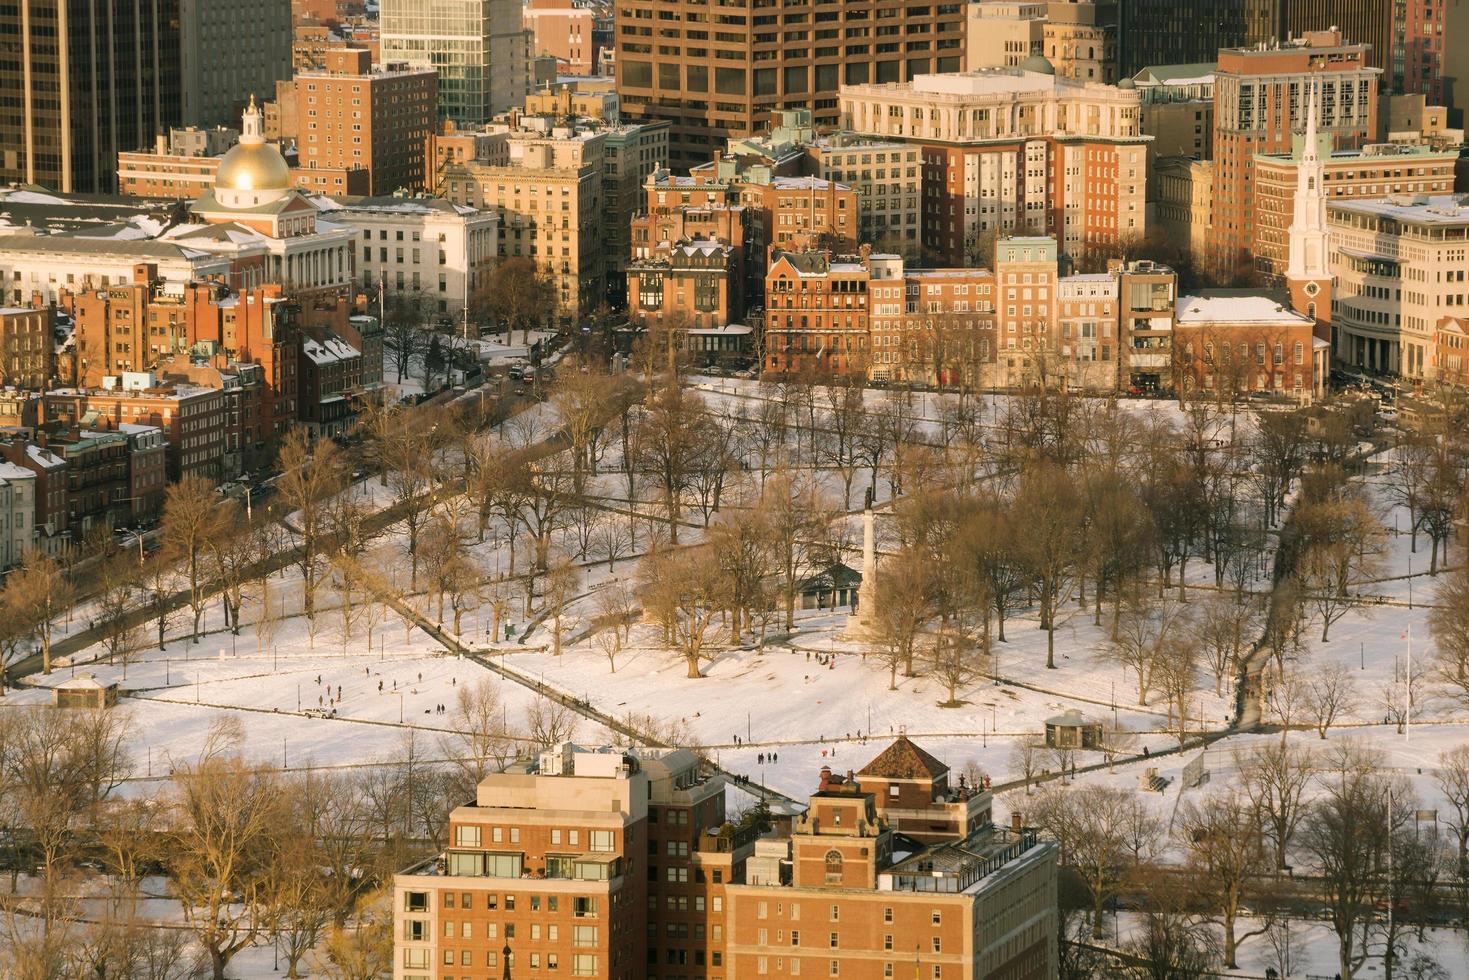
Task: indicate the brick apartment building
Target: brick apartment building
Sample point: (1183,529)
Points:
(1014,151)
(143,324)
(691,283)
(1451,351)
(351,116)
(816,314)
(330,380)
(546,185)
(546,866)
(893,869)
(775,213)
(193,419)
(98,482)
(27,347)
(574,32)
(1261,98)
(1022,323)
(147,469)
(885,175)
(52,515)
(610,863)
(714,76)
(935,326)
(246,406)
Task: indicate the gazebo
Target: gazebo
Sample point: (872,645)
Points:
(1072,730)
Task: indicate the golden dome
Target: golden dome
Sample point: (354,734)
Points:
(252,167)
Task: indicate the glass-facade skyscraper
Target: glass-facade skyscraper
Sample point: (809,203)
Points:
(480,49)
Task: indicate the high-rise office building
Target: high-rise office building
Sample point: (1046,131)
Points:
(1178,32)
(720,74)
(1378,23)
(78,83)
(218,72)
(81,82)
(1260,103)
(480,48)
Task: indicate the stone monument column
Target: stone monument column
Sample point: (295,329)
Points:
(860,624)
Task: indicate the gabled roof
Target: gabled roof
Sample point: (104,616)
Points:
(904,760)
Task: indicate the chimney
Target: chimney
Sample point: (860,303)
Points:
(1015,821)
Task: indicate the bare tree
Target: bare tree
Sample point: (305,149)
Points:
(743,547)
(666,445)
(1278,452)
(1177,671)
(191,518)
(905,604)
(295,901)
(1448,619)
(582,395)
(956,662)
(1225,837)
(1399,697)
(794,512)
(1025,757)
(1439,510)
(1408,476)
(478,742)
(1346,833)
(1145,629)
(561,584)
(227,813)
(520,295)
(1274,775)
(1342,546)
(1452,778)
(118,604)
(40,589)
(363,951)
(311,475)
(1329,692)
(683,591)
(1226,629)
(1089,824)
(1169,945)
(1048,507)
(549,722)
(235,552)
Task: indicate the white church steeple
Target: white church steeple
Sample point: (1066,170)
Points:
(1307,259)
(1308,273)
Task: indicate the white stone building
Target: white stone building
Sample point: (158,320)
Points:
(421,246)
(43,266)
(1401,264)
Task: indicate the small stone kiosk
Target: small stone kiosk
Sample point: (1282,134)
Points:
(84,691)
(1071,730)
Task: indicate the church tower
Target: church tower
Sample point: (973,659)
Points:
(1307,277)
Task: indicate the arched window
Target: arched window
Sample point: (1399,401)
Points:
(833,866)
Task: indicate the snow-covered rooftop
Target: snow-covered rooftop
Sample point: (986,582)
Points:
(1242,309)
(1435,209)
(328,351)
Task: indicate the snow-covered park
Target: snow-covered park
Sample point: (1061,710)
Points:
(773,705)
